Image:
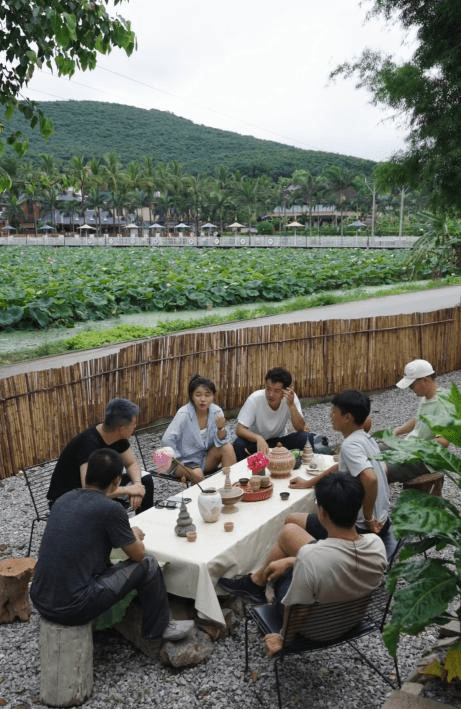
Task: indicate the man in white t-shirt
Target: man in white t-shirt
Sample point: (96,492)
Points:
(419,376)
(343,566)
(264,419)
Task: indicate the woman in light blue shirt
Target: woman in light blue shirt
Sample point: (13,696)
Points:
(198,434)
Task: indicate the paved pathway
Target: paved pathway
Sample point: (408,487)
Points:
(419,301)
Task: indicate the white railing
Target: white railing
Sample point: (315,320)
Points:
(234,241)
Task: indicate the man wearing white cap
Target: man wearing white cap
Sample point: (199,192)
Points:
(420,377)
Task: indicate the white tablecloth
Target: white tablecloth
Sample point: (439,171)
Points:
(192,569)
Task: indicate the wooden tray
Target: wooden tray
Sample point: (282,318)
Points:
(255,495)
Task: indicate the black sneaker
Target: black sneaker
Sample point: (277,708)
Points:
(244,587)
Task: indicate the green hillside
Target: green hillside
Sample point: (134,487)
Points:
(91,129)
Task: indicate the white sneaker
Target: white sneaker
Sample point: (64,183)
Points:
(177,630)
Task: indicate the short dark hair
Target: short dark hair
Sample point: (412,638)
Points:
(278,374)
(199,381)
(341,496)
(120,412)
(355,402)
(104,466)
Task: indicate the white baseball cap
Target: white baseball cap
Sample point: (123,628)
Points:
(416,369)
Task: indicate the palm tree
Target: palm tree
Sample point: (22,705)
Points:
(339,180)
(112,170)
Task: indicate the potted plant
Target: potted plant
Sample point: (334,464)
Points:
(430,584)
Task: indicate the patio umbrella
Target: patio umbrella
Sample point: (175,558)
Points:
(46,227)
(208,225)
(236,225)
(86,226)
(181,225)
(132,226)
(295,225)
(357,224)
(8,227)
(156,226)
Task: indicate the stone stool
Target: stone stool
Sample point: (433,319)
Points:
(429,482)
(15,575)
(66,663)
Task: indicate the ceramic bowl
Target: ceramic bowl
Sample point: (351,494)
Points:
(230,496)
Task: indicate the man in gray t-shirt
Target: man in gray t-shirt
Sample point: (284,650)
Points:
(344,566)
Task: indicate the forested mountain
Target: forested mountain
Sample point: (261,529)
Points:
(92,129)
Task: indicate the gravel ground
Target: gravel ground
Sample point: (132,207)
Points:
(122,676)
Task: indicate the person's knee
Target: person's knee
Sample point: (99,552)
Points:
(288,531)
(298,518)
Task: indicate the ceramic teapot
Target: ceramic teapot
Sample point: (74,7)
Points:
(281,461)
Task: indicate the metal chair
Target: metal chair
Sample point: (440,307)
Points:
(38,481)
(322,625)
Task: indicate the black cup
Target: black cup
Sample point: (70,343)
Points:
(284,495)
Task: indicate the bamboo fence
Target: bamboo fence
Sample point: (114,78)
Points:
(41,411)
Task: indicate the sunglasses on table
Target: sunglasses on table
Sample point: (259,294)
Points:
(171,504)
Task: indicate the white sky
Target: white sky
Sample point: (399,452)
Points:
(257,67)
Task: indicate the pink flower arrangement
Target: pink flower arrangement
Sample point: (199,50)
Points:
(257,462)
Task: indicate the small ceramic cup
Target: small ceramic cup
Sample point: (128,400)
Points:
(191,536)
(284,495)
(243,482)
(228,526)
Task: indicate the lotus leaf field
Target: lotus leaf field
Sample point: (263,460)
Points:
(41,286)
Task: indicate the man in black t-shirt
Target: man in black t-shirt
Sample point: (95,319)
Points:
(118,425)
(74,581)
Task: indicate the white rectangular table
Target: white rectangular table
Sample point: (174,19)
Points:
(192,569)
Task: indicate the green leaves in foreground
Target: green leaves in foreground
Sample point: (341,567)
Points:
(429,585)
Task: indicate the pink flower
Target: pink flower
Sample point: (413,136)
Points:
(257,462)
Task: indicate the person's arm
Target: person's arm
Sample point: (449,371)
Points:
(83,468)
(443,441)
(136,490)
(300,483)
(369,482)
(406,427)
(297,419)
(136,550)
(244,432)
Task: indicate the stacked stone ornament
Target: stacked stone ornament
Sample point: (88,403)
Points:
(308,455)
(184,522)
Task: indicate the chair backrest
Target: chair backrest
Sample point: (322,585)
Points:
(38,481)
(327,622)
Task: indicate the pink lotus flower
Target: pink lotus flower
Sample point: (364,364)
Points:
(257,462)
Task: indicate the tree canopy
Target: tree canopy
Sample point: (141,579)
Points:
(425,89)
(62,35)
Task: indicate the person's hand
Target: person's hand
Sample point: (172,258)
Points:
(373,525)
(299,483)
(277,568)
(138,533)
(289,395)
(220,421)
(261,444)
(136,490)
(196,475)
(273,643)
